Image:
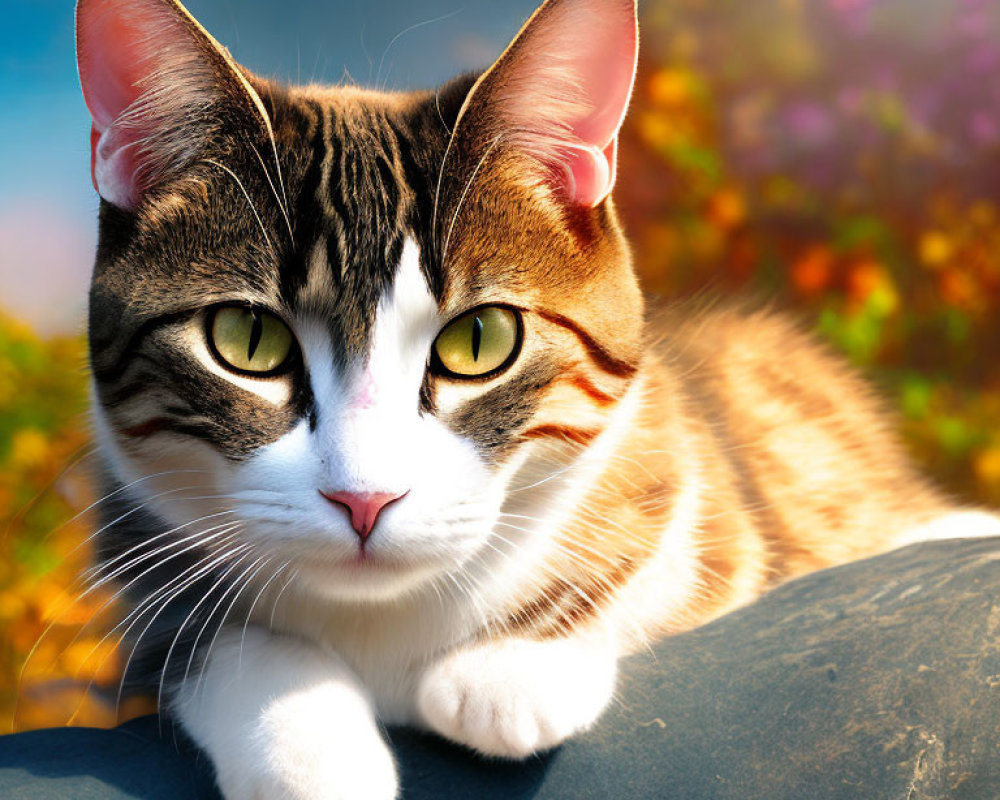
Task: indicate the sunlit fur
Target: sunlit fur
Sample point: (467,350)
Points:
(631,474)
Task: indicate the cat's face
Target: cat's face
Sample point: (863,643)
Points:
(341,329)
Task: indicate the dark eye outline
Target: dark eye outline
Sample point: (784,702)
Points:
(436,367)
(287,365)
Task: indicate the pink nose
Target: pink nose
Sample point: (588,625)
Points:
(364,508)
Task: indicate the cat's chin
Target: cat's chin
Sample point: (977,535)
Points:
(367,578)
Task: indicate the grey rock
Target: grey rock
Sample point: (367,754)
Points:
(876,679)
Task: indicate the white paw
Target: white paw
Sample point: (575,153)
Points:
(302,753)
(516,697)
(282,720)
(324,770)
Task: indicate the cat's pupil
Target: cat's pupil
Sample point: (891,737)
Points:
(477,337)
(256,332)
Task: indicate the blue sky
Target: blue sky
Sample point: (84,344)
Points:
(47,205)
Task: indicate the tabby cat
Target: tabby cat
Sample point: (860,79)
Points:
(386,434)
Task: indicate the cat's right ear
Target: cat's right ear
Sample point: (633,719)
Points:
(155,83)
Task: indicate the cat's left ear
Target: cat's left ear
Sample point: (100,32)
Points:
(560,91)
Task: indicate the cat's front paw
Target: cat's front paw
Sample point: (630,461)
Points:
(301,751)
(516,697)
(283,720)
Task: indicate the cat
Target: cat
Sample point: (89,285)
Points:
(387,433)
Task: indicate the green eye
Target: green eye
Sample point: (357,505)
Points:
(481,342)
(249,340)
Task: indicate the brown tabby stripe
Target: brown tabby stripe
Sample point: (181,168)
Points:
(601,357)
(493,419)
(586,386)
(582,436)
(564,606)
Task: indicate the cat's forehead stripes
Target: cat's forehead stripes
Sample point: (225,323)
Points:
(352,210)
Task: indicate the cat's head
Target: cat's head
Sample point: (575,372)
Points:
(341,328)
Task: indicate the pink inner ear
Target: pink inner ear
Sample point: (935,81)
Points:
(568,79)
(606,69)
(112,53)
(590,171)
(95,136)
(126,48)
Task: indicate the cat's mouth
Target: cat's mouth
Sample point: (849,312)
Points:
(364,560)
(365,565)
(368,575)
(393,561)
(361,561)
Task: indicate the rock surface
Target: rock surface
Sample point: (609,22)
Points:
(877,679)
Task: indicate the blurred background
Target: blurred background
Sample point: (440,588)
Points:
(839,156)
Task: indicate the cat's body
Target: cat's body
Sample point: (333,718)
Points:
(387,436)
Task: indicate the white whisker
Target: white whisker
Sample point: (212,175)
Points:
(253,605)
(253,208)
(465,191)
(240,583)
(281,206)
(245,552)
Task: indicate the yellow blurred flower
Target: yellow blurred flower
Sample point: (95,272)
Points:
(870,284)
(656,129)
(29,449)
(670,87)
(935,248)
(987,470)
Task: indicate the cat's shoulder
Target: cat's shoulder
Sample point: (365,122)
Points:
(750,352)
(741,330)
